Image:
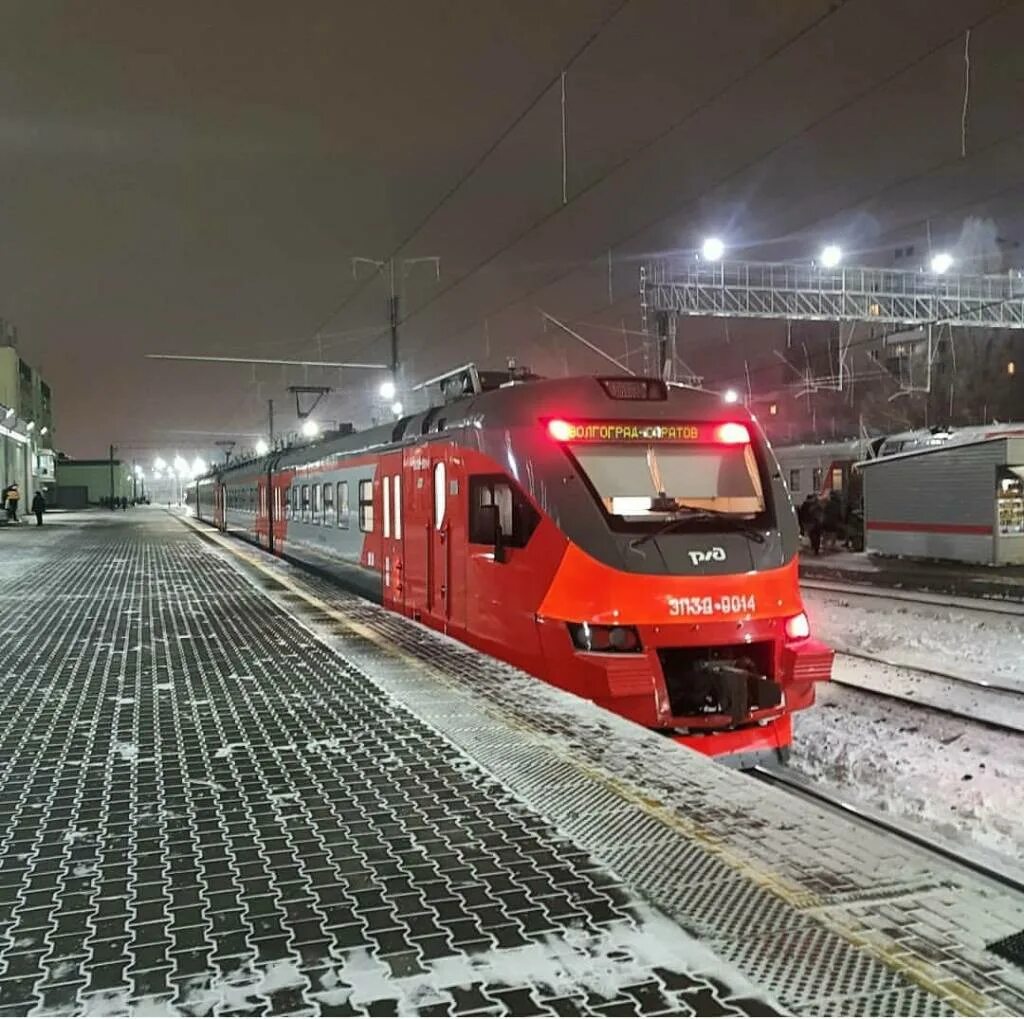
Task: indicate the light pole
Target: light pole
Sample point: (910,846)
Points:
(112,448)
(395,294)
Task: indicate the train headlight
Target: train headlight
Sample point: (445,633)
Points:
(798,627)
(606,639)
(624,638)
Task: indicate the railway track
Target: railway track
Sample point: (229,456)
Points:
(784,778)
(967,603)
(948,677)
(930,706)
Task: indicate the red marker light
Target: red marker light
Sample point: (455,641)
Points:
(559,430)
(732,434)
(798,627)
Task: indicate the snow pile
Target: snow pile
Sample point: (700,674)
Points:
(571,963)
(574,962)
(124,750)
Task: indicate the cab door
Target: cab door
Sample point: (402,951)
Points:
(509,569)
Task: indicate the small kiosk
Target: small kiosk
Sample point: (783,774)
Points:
(961,501)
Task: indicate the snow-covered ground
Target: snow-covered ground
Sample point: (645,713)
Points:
(975,643)
(987,705)
(956,777)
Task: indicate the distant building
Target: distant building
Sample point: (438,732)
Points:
(82,483)
(26,421)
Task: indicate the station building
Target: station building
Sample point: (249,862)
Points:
(82,483)
(26,422)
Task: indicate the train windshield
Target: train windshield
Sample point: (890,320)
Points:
(640,483)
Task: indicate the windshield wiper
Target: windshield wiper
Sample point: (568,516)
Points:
(690,514)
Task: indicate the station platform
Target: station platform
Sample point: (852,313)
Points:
(962,580)
(227,787)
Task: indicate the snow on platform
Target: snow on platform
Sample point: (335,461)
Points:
(225,788)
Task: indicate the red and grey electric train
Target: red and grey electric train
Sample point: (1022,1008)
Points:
(626,540)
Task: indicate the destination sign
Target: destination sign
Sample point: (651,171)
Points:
(729,433)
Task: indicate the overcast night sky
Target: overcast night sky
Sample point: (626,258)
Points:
(196,177)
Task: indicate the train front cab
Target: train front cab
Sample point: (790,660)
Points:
(697,630)
(713,618)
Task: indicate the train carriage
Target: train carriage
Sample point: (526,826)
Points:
(627,540)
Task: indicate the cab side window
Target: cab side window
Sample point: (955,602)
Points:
(516,516)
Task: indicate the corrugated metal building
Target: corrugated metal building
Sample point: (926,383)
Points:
(962,501)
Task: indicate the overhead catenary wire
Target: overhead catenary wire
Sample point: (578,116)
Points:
(624,161)
(565,153)
(694,200)
(264,360)
(967,94)
(480,160)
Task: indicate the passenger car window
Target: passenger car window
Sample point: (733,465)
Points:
(305,503)
(328,505)
(794,480)
(366,505)
(343,505)
(316,504)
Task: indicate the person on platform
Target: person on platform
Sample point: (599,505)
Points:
(815,524)
(13,495)
(124,502)
(833,519)
(803,510)
(39,508)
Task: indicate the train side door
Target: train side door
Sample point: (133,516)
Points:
(392,531)
(439,546)
(437,543)
(433,581)
(262,515)
(417,494)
